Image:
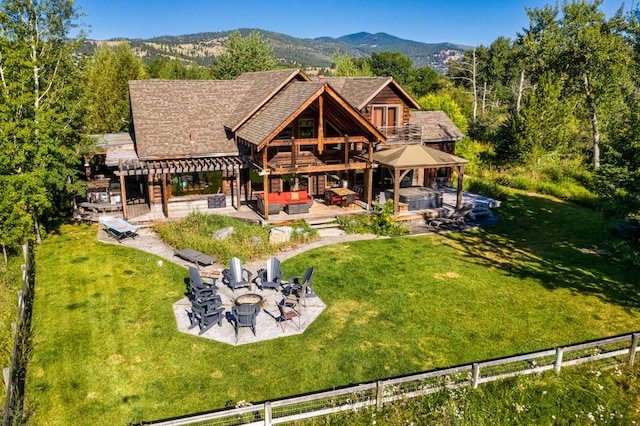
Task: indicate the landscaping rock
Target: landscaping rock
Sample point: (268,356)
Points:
(256,241)
(280,234)
(223,233)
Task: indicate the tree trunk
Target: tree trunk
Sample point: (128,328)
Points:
(594,124)
(520,90)
(36,227)
(475,87)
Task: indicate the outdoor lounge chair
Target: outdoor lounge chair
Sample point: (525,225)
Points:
(245,316)
(458,217)
(205,318)
(195,256)
(271,276)
(119,228)
(236,276)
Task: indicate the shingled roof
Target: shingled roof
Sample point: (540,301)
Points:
(178,119)
(436,126)
(264,85)
(278,112)
(359,91)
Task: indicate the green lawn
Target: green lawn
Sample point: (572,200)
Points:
(107,349)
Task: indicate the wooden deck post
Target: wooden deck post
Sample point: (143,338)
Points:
(265,194)
(238,186)
(123,193)
(633,348)
(460,171)
(396,191)
(165,194)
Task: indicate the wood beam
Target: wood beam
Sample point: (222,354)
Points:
(460,171)
(320,124)
(123,193)
(265,193)
(396,191)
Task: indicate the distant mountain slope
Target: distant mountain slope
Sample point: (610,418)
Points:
(313,53)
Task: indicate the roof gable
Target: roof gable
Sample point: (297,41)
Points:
(291,102)
(359,91)
(264,86)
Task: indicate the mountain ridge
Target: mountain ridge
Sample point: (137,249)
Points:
(202,47)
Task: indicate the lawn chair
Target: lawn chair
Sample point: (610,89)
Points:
(297,282)
(458,217)
(287,313)
(296,297)
(236,276)
(271,276)
(119,228)
(198,289)
(205,317)
(245,316)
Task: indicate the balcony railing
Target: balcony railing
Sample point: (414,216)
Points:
(402,135)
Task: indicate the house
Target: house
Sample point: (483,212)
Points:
(264,133)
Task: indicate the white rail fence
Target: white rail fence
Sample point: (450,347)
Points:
(603,353)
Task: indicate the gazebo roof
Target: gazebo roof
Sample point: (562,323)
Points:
(416,156)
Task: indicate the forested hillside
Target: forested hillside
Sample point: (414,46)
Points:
(316,53)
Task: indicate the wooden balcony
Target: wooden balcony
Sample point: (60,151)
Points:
(402,135)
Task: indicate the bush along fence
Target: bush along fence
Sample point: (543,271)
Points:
(15,374)
(606,353)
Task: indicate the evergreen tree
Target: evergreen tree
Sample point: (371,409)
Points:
(107,76)
(243,54)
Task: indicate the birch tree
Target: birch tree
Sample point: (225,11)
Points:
(40,110)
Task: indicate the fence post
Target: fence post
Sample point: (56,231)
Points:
(267,413)
(557,365)
(633,348)
(379,394)
(475,375)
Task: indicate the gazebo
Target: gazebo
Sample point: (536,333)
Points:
(409,157)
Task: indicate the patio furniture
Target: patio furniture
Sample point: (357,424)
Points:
(296,297)
(197,288)
(236,276)
(296,282)
(245,316)
(119,228)
(458,217)
(287,313)
(205,317)
(195,256)
(271,276)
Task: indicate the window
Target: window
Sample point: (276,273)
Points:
(385,115)
(305,128)
(286,133)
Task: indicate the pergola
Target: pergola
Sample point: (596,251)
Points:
(409,157)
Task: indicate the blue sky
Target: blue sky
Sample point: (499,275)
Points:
(458,21)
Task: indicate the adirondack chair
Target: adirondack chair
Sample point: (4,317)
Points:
(205,318)
(197,288)
(236,276)
(299,282)
(271,276)
(245,316)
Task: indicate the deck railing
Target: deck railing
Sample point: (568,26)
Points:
(609,352)
(402,135)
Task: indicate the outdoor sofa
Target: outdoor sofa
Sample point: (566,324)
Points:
(291,201)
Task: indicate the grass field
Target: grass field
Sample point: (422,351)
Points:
(107,350)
